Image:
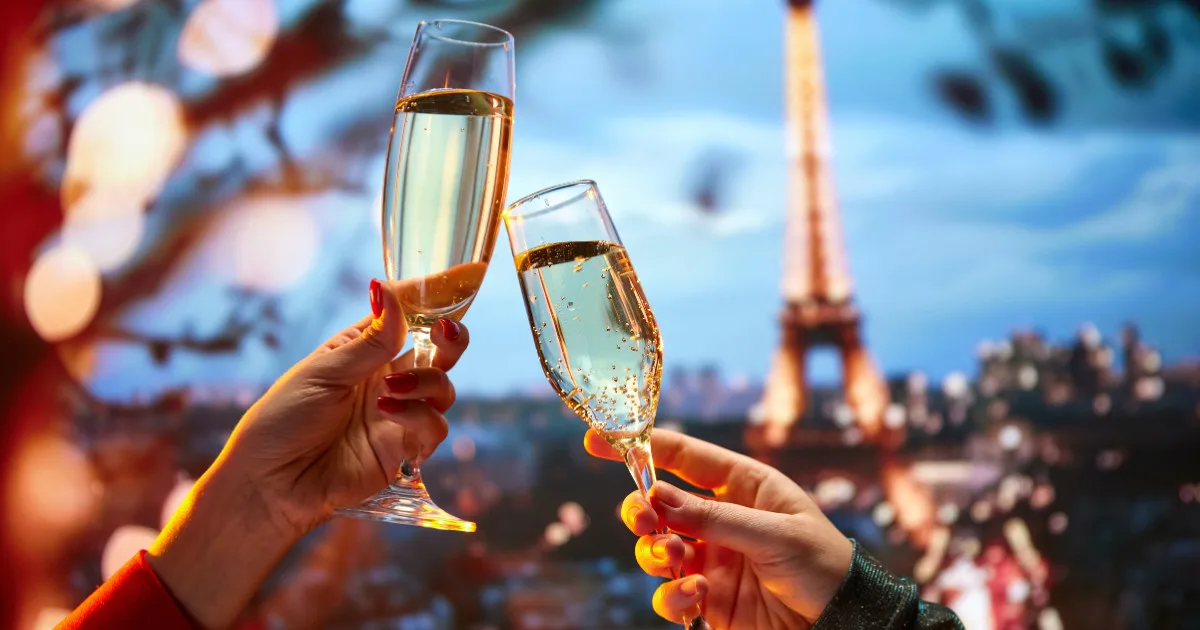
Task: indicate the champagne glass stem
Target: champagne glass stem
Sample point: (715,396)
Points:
(423,348)
(423,353)
(640,462)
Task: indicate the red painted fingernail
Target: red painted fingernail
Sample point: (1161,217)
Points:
(401,382)
(390,405)
(450,329)
(376,298)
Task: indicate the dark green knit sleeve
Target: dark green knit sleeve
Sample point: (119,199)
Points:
(871,598)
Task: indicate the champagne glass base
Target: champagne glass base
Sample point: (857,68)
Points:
(407,505)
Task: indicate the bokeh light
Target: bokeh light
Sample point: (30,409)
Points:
(127,141)
(464,448)
(49,617)
(1009,437)
(124,543)
(834,491)
(893,416)
(883,514)
(62,292)
(107,224)
(228,37)
(175,498)
(112,5)
(265,243)
(78,359)
(572,515)
(1049,619)
(1057,523)
(557,534)
(956,385)
(51,492)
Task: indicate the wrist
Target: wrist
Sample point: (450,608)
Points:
(219,546)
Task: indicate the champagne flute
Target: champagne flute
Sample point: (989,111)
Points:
(444,190)
(595,333)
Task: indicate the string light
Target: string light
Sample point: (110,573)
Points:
(62,292)
(228,37)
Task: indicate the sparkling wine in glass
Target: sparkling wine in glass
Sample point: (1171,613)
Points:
(596,336)
(444,191)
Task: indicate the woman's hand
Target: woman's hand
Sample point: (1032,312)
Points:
(329,433)
(765,555)
(334,429)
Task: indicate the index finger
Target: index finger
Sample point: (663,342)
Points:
(697,462)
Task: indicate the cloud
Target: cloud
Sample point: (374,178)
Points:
(935,259)
(645,165)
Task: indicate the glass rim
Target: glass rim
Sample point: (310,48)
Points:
(506,38)
(514,211)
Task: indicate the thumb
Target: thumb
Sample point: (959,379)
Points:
(745,530)
(378,341)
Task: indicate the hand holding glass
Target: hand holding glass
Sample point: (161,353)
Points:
(595,333)
(444,189)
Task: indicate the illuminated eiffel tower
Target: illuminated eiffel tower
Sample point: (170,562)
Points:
(819,308)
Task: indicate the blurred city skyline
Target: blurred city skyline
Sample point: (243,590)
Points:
(957,231)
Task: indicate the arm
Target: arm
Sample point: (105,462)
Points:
(329,433)
(200,572)
(218,548)
(130,597)
(871,597)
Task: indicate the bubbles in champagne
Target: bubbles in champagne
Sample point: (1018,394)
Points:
(441,203)
(623,404)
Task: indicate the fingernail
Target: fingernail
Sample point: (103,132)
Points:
(390,405)
(401,382)
(659,549)
(691,587)
(376,298)
(667,495)
(450,329)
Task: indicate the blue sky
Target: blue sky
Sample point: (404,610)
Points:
(955,233)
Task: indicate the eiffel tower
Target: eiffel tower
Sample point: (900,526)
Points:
(817,289)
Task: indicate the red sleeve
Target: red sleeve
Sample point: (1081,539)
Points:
(132,598)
